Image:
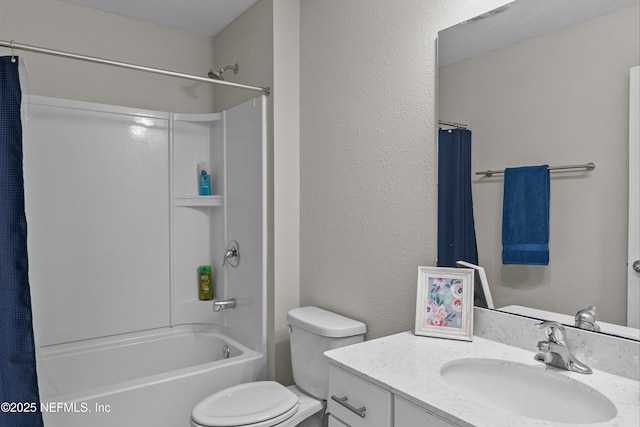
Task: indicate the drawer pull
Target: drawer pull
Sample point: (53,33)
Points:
(343,401)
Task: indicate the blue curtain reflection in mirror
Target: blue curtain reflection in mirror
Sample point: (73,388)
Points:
(18,380)
(456,229)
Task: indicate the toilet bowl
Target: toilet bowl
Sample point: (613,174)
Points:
(268,403)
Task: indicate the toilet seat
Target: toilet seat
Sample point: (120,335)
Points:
(256,404)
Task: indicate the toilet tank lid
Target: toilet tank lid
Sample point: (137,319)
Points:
(325,323)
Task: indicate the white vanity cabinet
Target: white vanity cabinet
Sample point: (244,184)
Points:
(367,404)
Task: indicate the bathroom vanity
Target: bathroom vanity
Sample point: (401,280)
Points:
(405,380)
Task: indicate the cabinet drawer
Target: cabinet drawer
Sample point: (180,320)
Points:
(360,394)
(334,422)
(408,415)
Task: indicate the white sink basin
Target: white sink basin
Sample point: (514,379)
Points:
(529,391)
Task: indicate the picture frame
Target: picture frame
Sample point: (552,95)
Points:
(481,292)
(444,303)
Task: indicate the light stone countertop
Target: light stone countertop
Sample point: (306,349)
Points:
(409,366)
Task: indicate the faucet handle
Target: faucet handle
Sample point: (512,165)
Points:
(232,255)
(554,330)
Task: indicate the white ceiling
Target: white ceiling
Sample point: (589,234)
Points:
(205,17)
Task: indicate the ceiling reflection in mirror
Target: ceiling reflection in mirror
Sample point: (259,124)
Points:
(547,82)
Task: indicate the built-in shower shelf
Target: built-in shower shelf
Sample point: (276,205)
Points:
(196,201)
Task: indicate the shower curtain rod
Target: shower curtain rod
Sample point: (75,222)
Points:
(18,46)
(588,166)
(453,124)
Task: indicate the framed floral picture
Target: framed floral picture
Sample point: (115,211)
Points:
(444,304)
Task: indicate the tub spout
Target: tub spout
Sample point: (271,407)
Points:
(224,304)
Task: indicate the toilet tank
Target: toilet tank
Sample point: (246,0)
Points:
(314,331)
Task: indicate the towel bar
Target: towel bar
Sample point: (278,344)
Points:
(588,166)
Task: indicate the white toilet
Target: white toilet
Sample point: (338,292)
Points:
(268,403)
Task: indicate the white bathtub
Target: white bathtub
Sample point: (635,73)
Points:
(149,379)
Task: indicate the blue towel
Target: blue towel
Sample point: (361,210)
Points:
(525,216)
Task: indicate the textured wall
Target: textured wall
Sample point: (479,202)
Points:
(368,153)
(286,176)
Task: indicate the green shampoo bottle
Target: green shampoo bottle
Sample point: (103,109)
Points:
(205,282)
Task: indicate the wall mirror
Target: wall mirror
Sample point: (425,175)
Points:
(547,82)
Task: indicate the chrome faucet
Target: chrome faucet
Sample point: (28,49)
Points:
(555,349)
(224,304)
(586,319)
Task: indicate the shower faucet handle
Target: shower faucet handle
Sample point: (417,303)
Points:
(232,254)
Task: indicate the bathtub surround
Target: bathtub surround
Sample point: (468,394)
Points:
(129,241)
(18,379)
(93,269)
(137,249)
